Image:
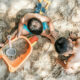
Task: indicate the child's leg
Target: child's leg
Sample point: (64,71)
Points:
(48,36)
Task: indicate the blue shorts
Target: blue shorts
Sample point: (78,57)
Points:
(26,28)
(45,26)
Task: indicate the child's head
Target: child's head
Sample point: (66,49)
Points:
(63,45)
(35,26)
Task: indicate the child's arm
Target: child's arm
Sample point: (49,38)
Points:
(35,15)
(52,30)
(52,34)
(70,58)
(14,34)
(67,64)
(49,37)
(20,29)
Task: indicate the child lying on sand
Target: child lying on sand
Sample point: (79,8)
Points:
(66,47)
(33,23)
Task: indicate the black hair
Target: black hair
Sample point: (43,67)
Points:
(35,26)
(62,45)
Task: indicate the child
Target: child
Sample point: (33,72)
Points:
(66,47)
(33,23)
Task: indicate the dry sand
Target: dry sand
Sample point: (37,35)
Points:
(41,64)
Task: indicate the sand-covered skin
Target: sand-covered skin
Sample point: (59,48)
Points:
(41,64)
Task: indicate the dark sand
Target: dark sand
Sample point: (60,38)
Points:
(19,45)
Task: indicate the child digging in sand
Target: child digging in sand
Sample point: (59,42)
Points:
(66,47)
(33,23)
